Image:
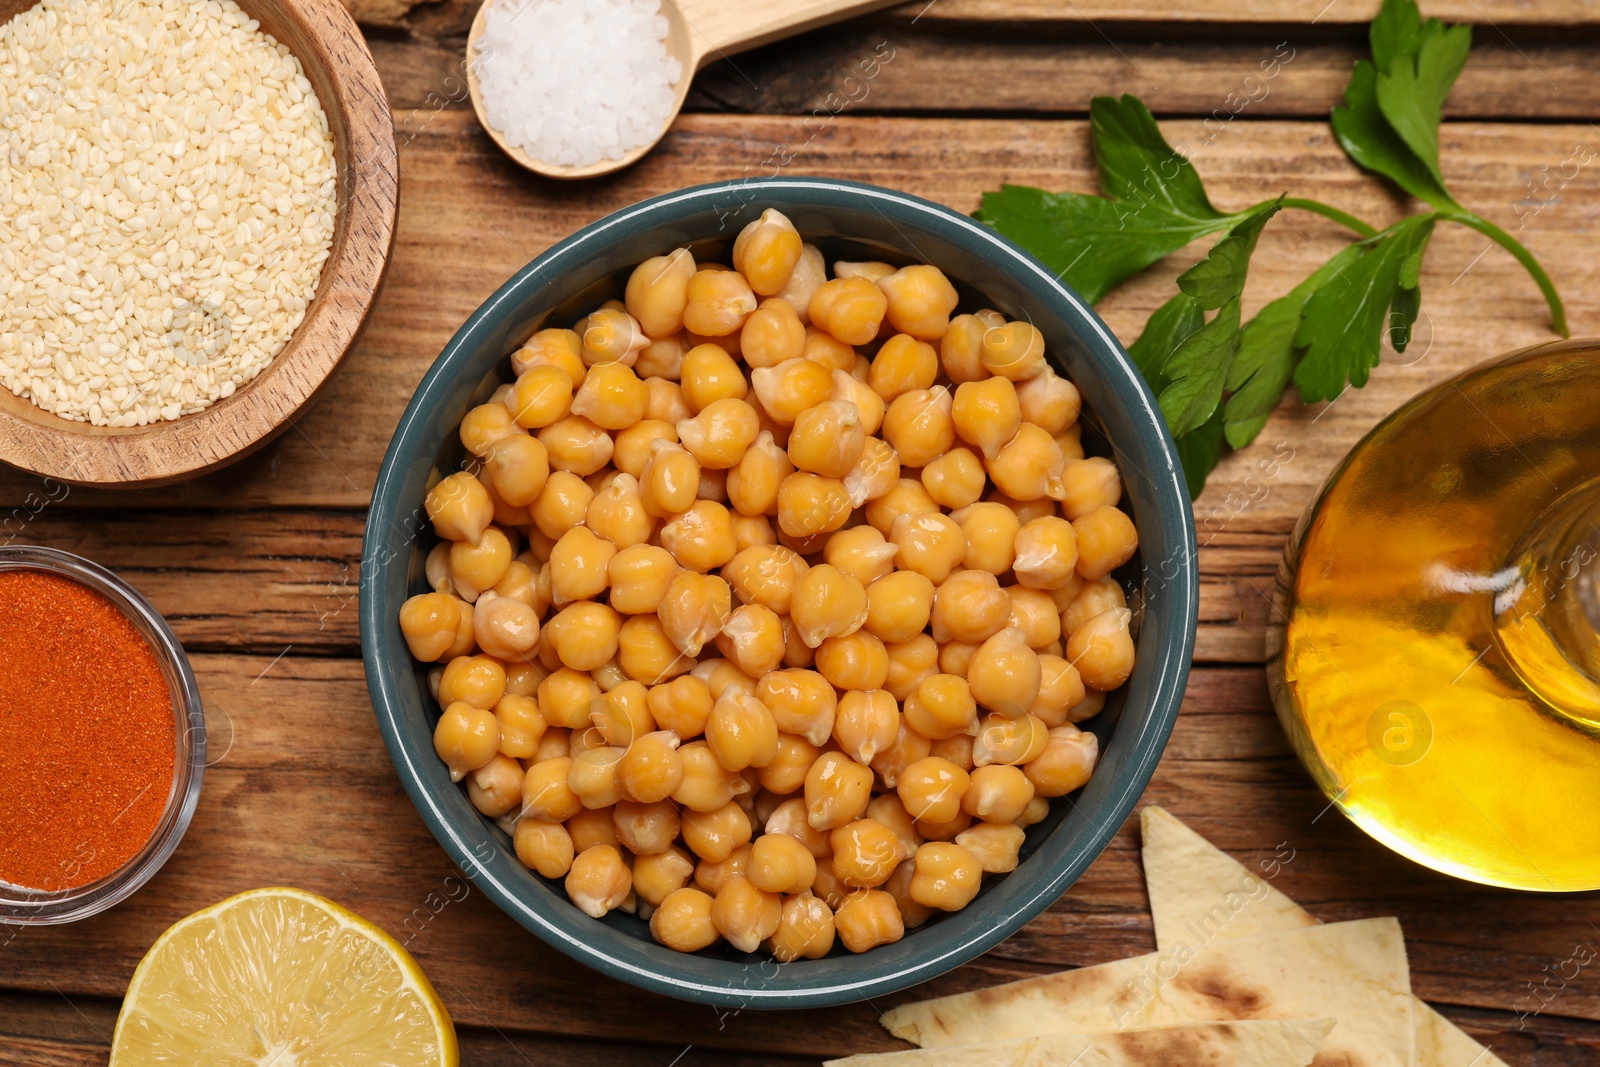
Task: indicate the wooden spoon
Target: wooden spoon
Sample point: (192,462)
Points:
(698,31)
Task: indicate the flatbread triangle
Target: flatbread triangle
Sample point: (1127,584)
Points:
(1198,892)
(1259,1043)
(1355,972)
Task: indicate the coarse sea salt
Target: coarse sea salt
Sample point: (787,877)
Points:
(576,81)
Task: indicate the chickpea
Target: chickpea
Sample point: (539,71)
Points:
(919,425)
(682,921)
(921,299)
(661,358)
(599,881)
(521,727)
(567,698)
(780,864)
(750,531)
(562,504)
(545,847)
(865,853)
(657,293)
(577,445)
(718,302)
(932,789)
(741,731)
(693,610)
(646,654)
(651,769)
(1046,553)
(682,705)
(825,603)
(579,565)
(1102,649)
(484,425)
(1106,540)
(541,396)
(658,874)
(862,553)
(800,701)
(429,622)
(837,790)
(907,497)
(522,679)
(1034,613)
(849,309)
(767,251)
(517,467)
(476,567)
(753,482)
(592,826)
(1004,673)
(551,348)
(556,743)
(584,634)
(713,835)
(828,439)
(772,335)
(805,929)
(1060,689)
(1066,763)
(753,639)
(744,914)
(592,776)
(871,270)
(944,831)
(546,793)
(955,479)
(947,876)
(1089,484)
(809,504)
(612,397)
(465,738)
(808,274)
(710,374)
(459,508)
(987,414)
(670,480)
(707,786)
(971,607)
(786,772)
(875,474)
(909,746)
(667,403)
(902,365)
(868,918)
(898,606)
(1091,599)
(931,545)
(1029,466)
(856,661)
(1049,401)
(638,577)
(719,435)
(506,629)
(701,538)
(909,663)
(993,845)
(720,675)
(765,575)
(997,793)
(476,680)
(1014,351)
(611,335)
(647,828)
(789,817)
(796,653)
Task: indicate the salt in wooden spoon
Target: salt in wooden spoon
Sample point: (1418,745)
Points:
(698,31)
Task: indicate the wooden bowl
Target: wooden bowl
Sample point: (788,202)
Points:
(324,37)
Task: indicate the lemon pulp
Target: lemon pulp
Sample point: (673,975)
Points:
(280,978)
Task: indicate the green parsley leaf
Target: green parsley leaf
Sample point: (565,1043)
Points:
(1091,243)
(1367,137)
(1197,370)
(1342,324)
(1169,327)
(1138,166)
(1267,354)
(1219,277)
(1395,32)
(1199,451)
(1412,88)
(1157,205)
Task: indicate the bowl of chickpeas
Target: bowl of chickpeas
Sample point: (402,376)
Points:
(779,592)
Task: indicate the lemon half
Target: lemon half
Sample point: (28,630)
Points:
(284,978)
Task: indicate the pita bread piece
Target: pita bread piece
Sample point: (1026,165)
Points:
(1200,893)
(1355,972)
(1288,1043)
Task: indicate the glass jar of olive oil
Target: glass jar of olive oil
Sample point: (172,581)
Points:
(1435,657)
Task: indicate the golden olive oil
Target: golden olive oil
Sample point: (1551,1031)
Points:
(1434,657)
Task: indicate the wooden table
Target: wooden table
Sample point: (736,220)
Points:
(257,567)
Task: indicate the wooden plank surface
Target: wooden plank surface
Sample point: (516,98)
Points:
(256,567)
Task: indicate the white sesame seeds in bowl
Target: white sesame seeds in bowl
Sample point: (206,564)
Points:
(197,203)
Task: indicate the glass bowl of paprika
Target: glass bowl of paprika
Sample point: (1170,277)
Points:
(102,740)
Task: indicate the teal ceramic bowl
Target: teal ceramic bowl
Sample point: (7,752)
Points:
(851,221)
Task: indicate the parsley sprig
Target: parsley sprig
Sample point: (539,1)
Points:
(1218,379)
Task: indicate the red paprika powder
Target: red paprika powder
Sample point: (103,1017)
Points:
(87,756)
